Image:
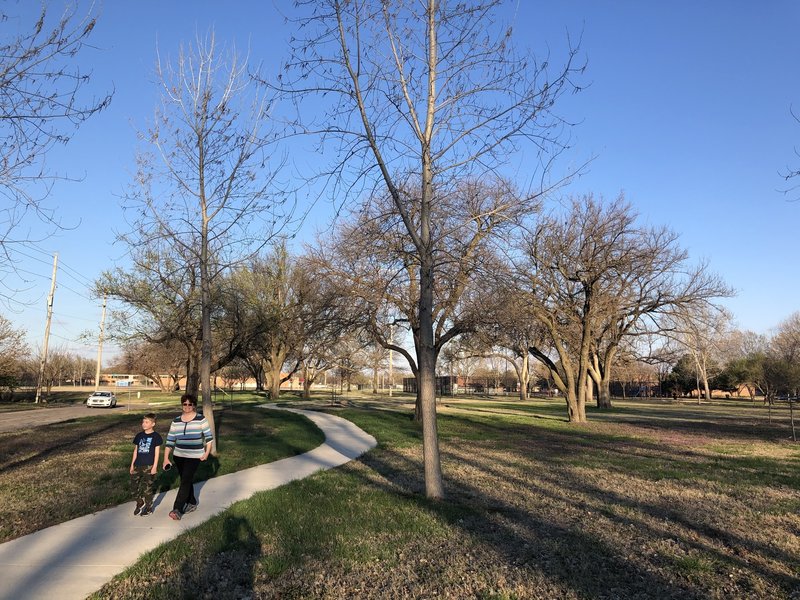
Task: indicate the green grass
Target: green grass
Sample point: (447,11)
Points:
(694,564)
(96,452)
(581,511)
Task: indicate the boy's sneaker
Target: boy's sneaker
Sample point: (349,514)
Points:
(175,515)
(139,507)
(147,510)
(189,507)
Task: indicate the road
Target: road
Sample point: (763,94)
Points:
(25,419)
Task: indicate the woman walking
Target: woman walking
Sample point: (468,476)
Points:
(189,440)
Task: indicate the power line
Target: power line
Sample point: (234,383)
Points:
(78,275)
(36,258)
(74,273)
(75,292)
(62,315)
(36,248)
(19,270)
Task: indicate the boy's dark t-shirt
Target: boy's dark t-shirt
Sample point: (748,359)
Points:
(147,444)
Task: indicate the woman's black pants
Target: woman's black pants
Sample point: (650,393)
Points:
(186,469)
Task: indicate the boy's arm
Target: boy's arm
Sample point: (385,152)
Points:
(154,470)
(133,459)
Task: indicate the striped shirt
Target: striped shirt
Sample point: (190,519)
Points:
(189,439)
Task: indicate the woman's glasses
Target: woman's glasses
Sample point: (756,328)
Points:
(187,403)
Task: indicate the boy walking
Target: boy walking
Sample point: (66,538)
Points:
(144,465)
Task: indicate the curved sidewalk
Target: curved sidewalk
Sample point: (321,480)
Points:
(76,558)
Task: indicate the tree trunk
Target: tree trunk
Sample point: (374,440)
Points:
(524,376)
(258,374)
(274,383)
(193,374)
(426,382)
(576,409)
(697,385)
(205,343)
(600,373)
(307,381)
(604,393)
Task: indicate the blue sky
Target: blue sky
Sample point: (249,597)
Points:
(686,112)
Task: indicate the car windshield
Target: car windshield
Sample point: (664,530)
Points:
(102,394)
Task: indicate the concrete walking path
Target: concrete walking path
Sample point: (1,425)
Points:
(76,558)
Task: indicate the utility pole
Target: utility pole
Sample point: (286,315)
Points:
(43,360)
(100,347)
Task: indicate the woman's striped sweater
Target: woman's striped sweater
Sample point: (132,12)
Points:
(189,439)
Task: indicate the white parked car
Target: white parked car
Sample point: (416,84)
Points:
(107,399)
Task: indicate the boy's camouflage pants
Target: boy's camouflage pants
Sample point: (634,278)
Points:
(142,484)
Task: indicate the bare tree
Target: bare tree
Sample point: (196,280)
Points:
(507,329)
(416,110)
(13,351)
(372,261)
(592,278)
(566,260)
(160,299)
(647,276)
(207,187)
(270,288)
(42,104)
(701,330)
(153,361)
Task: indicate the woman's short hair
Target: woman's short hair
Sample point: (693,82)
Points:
(190,397)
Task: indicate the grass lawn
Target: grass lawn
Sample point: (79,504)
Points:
(649,500)
(61,471)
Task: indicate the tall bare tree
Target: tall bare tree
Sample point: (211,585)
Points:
(593,278)
(207,187)
(424,95)
(43,102)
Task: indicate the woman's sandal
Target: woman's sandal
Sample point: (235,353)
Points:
(174,515)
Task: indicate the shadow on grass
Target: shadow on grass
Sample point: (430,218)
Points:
(234,555)
(570,555)
(49,443)
(566,489)
(565,556)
